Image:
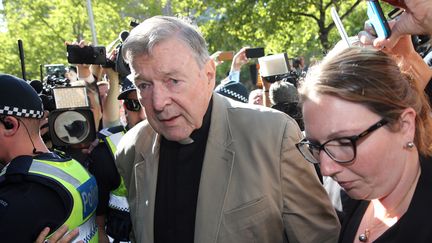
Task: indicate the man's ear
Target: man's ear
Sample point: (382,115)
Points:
(210,71)
(11,125)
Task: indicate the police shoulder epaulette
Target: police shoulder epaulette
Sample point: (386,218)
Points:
(106,132)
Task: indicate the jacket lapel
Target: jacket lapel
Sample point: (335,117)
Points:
(215,175)
(146,179)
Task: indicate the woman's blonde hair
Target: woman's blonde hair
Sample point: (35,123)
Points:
(372,78)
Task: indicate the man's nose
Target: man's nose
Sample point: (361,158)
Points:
(161,97)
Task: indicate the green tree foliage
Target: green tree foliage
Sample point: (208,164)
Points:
(45,25)
(294,26)
(298,27)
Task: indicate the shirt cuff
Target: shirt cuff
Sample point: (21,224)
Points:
(234,76)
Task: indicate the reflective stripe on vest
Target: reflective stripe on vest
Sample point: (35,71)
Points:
(54,171)
(83,189)
(87,231)
(113,141)
(117,199)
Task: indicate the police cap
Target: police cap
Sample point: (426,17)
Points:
(127,87)
(18,98)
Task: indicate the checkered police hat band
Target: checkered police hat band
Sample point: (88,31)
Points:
(14,111)
(234,94)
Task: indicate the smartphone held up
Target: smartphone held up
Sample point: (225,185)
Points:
(254,52)
(377,19)
(225,56)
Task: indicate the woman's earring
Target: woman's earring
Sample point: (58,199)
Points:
(410,145)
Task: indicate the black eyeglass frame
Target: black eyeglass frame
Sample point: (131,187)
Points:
(132,105)
(352,139)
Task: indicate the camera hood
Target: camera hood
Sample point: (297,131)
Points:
(274,67)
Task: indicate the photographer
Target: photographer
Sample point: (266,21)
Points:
(108,114)
(105,111)
(38,188)
(274,68)
(284,97)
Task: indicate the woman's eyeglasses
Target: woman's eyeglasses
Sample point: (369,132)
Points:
(132,105)
(341,150)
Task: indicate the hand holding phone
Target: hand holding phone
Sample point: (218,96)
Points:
(377,19)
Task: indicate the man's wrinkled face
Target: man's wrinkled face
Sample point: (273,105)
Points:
(174,90)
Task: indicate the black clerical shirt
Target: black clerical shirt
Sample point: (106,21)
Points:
(178,181)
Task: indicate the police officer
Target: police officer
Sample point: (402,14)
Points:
(113,216)
(38,188)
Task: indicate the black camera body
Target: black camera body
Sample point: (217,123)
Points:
(292,77)
(86,54)
(119,64)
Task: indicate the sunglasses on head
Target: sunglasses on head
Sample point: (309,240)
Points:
(132,105)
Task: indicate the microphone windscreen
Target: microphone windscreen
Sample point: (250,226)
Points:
(37,86)
(123,35)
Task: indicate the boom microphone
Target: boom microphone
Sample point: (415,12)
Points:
(37,86)
(123,35)
(21,55)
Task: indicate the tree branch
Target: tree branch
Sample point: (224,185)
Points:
(303,14)
(349,11)
(47,24)
(332,2)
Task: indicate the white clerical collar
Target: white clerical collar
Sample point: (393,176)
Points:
(185,141)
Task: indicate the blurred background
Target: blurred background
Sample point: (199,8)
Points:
(296,27)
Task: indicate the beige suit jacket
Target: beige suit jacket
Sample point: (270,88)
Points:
(255,186)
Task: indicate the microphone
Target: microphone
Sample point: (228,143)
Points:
(123,35)
(37,86)
(21,55)
(48,102)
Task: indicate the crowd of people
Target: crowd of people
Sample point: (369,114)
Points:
(342,156)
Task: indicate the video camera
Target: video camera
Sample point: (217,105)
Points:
(98,54)
(119,65)
(70,120)
(277,68)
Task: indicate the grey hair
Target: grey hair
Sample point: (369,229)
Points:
(154,30)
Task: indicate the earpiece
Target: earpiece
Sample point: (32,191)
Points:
(8,125)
